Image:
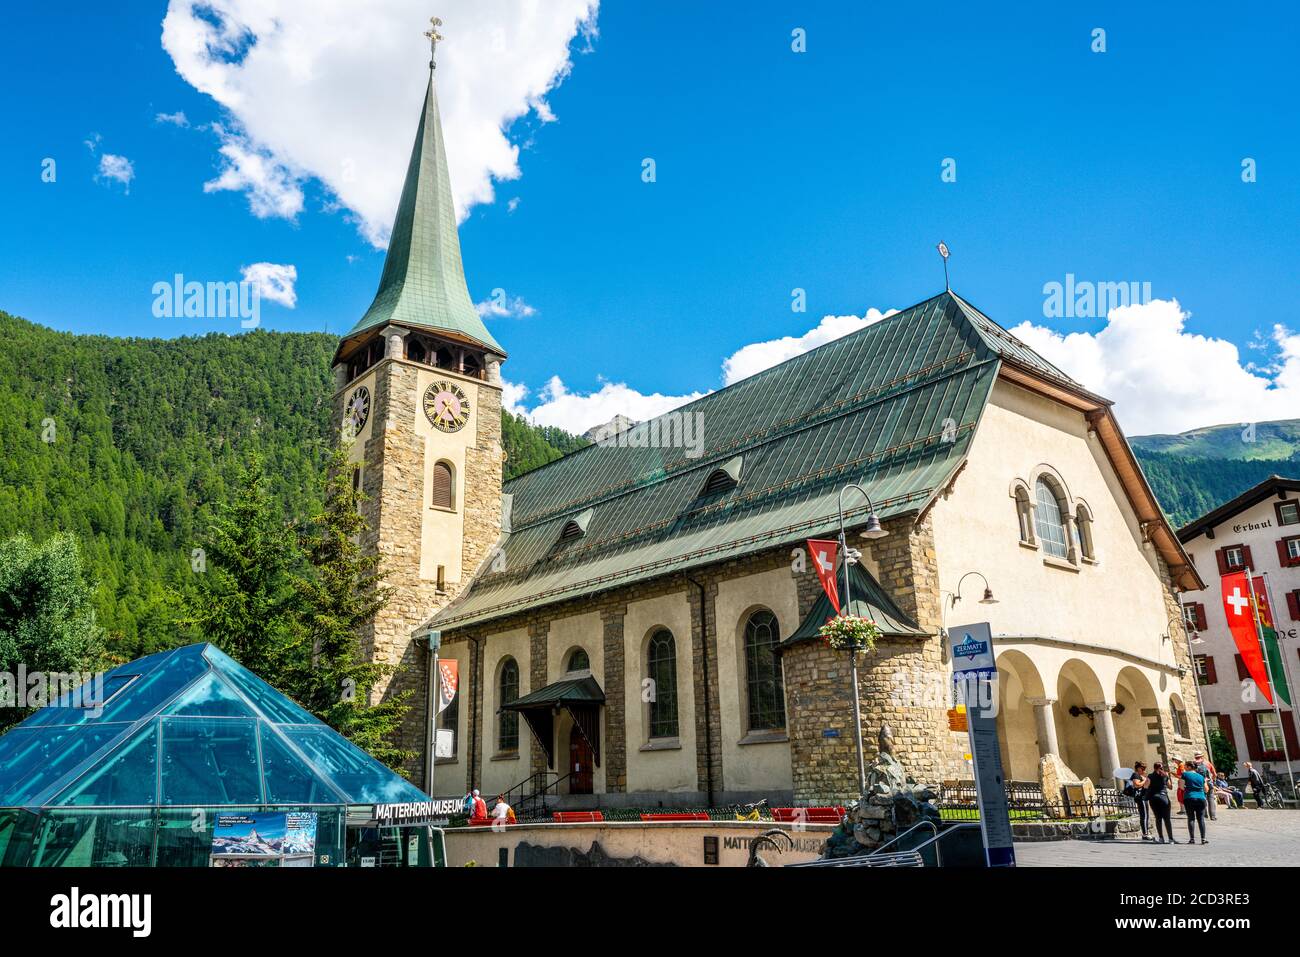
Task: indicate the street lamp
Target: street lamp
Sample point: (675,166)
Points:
(851,556)
(988,598)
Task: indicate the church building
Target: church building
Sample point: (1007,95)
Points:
(635,623)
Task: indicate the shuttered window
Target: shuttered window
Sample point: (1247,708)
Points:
(1205,673)
(443,486)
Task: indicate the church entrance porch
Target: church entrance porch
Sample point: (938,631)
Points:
(565,718)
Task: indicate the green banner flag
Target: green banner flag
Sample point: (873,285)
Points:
(1272,650)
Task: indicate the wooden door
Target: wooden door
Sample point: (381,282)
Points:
(580,763)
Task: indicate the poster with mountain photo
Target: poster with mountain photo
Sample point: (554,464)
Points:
(264,839)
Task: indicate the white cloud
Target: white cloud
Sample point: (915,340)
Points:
(501,306)
(274,282)
(512,397)
(757,356)
(272,189)
(316,89)
(116,168)
(576,412)
(173,119)
(1163,378)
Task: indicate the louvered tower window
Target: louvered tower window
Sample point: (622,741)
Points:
(443,486)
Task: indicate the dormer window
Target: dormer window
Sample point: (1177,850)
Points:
(576,527)
(724,478)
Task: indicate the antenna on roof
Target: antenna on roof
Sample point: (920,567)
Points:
(943,251)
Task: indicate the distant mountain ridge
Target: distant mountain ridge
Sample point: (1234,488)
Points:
(1258,440)
(1196,471)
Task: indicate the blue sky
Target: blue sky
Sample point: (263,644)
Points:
(775,171)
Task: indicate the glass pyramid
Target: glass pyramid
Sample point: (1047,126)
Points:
(186,728)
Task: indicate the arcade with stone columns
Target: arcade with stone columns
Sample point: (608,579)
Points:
(636,622)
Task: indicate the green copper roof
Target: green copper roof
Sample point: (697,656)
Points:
(424,280)
(893,407)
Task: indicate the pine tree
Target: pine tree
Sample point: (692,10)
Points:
(340,593)
(47,623)
(243,597)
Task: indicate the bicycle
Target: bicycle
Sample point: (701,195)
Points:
(748,812)
(1272,795)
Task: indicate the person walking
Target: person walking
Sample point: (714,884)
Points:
(1137,790)
(480,808)
(1256,783)
(1206,767)
(1158,798)
(1195,793)
(467,803)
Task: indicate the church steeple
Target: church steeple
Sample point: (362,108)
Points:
(423,283)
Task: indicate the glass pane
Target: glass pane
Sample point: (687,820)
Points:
(1051,528)
(272,703)
(99,838)
(128,776)
(362,778)
(38,758)
(210,697)
(210,761)
(289,780)
(17,830)
(161,676)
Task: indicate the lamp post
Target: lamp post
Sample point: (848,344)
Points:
(1196,679)
(851,556)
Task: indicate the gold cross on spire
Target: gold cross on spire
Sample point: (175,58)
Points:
(434,39)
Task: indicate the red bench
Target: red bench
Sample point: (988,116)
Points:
(808,815)
(686,816)
(578,817)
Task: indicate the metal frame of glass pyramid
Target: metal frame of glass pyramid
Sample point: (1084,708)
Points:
(134,771)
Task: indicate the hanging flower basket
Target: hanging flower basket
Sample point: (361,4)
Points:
(850,633)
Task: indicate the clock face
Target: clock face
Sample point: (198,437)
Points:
(358,410)
(447,406)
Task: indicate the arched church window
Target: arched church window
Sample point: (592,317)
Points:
(1049,519)
(766,704)
(661,669)
(578,661)
(508,729)
(444,486)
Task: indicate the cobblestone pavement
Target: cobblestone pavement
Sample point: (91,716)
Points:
(1238,838)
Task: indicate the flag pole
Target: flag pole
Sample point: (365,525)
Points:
(1268,670)
(1286,667)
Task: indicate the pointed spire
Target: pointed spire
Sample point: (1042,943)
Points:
(423,283)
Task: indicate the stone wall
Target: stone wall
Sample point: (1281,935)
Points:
(394,506)
(819,689)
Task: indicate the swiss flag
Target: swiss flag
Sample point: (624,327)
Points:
(1241,622)
(823,556)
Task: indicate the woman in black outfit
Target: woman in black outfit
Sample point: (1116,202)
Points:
(1138,784)
(1158,799)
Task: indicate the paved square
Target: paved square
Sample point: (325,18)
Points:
(1244,838)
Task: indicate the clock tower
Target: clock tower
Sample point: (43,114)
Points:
(418,397)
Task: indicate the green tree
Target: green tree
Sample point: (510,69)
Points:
(242,596)
(47,622)
(1223,753)
(337,596)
